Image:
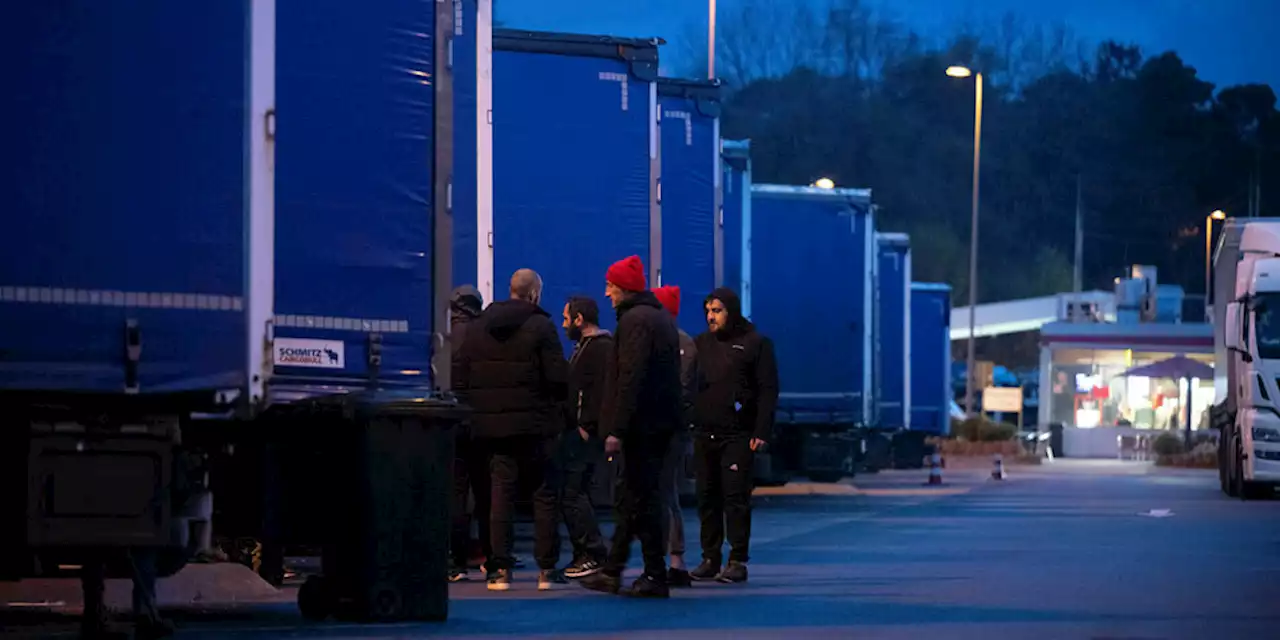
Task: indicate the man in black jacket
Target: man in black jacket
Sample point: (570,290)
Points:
(641,412)
(470,463)
(511,372)
(733,417)
(588,366)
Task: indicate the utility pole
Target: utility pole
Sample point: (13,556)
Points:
(711,39)
(1077,276)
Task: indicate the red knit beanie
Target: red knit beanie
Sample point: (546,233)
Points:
(627,274)
(669,296)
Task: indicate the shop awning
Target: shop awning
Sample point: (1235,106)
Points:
(1177,368)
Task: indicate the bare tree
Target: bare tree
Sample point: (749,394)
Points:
(760,39)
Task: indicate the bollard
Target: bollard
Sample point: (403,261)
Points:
(997,471)
(935,469)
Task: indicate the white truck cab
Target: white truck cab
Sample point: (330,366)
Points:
(1247,355)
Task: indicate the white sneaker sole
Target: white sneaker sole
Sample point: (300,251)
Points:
(579,575)
(499,586)
(544,586)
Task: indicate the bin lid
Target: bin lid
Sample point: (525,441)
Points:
(407,401)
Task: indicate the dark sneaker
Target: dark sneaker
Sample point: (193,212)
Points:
(678,578)
(458,575)
(733,572)
(102,630)
(648,587)
(500,580)
(602,582)
(705,572)
(152,629)
(582,568)
(548,577)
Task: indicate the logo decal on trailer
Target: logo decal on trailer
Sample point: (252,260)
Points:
(320,354)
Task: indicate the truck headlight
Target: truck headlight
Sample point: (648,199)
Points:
(1266,434)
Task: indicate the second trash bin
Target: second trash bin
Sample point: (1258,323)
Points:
(368,478)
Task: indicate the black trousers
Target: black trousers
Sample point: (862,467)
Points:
(723,469)
(523,460)
(638,502)
(575,468)
(93,583)
(470,478)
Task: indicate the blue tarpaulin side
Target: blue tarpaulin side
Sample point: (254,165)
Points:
(124,133)
(810,278)
(464,145)
(893,322)
(689,165)
(354,181)
(571,171)
(930,357)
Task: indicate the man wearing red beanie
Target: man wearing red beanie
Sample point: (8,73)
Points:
(641,410)
(673,467)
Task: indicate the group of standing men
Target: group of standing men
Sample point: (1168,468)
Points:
(636,396)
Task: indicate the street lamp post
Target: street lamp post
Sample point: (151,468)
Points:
(711,39)
(971,366)
(1218,214)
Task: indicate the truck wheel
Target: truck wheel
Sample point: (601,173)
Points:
(316,599)
(825,476)
(1223,467)
(1235,470)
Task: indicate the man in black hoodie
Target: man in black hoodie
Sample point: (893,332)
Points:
(737,393)
(588,367)
(470,463)
(511,372)
(640,414)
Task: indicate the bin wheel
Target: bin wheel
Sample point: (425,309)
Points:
(316,600)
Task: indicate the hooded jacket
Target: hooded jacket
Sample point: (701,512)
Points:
(464,306)
(737,385)
(644,380)
(588,371)
(511,371)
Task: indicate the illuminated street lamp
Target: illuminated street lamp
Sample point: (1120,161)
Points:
(824,183)
(956,71)
(1218,214)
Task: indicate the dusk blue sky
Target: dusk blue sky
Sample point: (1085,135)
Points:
(1228,41)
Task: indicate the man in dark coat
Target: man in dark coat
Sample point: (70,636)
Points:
(733,417)
(674,474)
(640,414)
(511,372)
(470,463)
(581,447)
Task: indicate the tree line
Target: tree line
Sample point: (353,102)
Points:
(842,91)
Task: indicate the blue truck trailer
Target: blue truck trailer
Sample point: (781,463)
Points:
(208,223)
(893,331)
(813,254)
(692,235)
(931,395)
(576,160)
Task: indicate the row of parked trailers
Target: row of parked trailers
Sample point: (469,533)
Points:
(622,161)
(256,185)
(230,207)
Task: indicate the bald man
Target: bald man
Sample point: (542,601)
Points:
(512,372)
